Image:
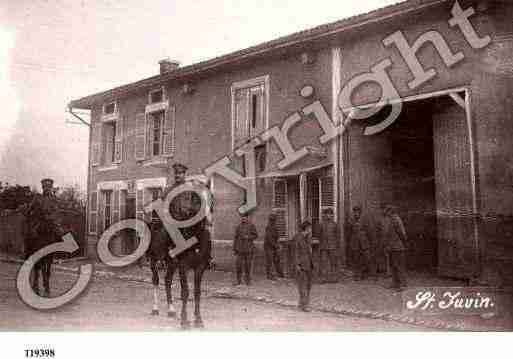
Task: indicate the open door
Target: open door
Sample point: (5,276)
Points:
(454,195)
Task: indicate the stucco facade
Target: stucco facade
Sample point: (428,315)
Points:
(467,210)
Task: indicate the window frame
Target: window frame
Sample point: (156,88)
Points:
(249,84)
(107,221)
(105,105)
(151,123)
(164,95)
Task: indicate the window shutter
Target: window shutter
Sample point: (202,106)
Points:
(96,143)
(101,212)
(118,146)
(241,126)
(122,205)
(257,110)
(280,206)
(139,203)
(169,131)
(93,210)
(140,136)
(303,196)
(115,206)
(109,143)
(327,193)
(149,135)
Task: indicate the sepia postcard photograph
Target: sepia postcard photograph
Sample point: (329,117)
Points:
(254,166)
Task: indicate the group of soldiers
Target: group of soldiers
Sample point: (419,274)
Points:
(43,228)
(299,250)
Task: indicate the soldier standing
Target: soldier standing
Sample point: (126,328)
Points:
(43,230)
(243,248)
(328,245)
(360,243)
(304,262)
(394,238)
(271,248)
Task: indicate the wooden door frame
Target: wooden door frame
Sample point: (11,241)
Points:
(466,105)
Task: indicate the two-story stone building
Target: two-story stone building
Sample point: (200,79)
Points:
(445,161)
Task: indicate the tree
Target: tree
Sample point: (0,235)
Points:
(13,197)
(72,196)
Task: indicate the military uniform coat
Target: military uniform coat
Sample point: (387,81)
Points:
(303,251)
(245,234)
(394,234)
(43,226)
(329,235)
(359,235)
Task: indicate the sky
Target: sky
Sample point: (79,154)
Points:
(54,51)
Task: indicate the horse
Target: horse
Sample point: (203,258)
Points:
(196,258)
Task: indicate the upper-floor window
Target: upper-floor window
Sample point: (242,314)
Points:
(107,141)
(156,122)
(156,96)
(107,209)
(109,108)
(155,132)
(250,103)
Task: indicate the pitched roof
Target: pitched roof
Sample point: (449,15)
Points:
(313,34)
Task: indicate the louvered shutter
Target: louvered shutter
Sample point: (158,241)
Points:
(96,142)
(168,136)
(257,110)
(327,193)
(139,204)
(140,136)
(303,196)
(241,126)
(93,212)
(101,212)
(115,206)
(108,134)
(118,145)
(122,205)
(280,206)
(149,135)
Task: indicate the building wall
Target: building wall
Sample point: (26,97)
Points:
(203,131)
(204,120)
(488,75)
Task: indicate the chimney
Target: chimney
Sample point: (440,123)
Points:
(168,65)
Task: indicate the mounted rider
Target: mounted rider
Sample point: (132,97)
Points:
(184,206)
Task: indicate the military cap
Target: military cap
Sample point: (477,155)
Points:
(178,167)
(47,181)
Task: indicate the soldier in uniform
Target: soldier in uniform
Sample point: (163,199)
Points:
(182,207)
(271,248)
(328,245)
(243,248)
(304,262)
(394,239)
(359,240)
(43,229)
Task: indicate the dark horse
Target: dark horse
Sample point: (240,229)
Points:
(183,207)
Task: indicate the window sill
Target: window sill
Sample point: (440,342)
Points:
(108,168)
(157,106)
(109,117)
(161,160)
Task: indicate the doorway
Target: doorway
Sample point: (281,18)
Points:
(422,164)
